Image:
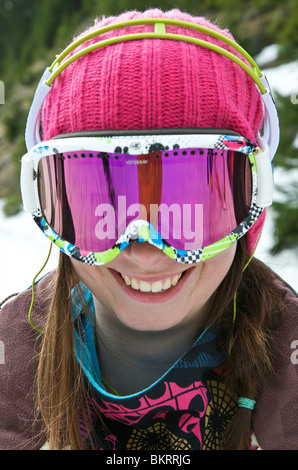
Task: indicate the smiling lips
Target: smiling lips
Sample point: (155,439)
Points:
(155,287)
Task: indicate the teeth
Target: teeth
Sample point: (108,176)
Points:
(155,287)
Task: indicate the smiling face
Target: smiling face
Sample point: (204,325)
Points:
(145,290)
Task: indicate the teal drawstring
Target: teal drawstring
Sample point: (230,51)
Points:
(246,403)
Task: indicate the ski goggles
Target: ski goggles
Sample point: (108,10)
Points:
(190,193)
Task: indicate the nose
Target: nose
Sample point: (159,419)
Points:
(144,255)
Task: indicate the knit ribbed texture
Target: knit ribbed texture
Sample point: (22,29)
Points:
(154,83)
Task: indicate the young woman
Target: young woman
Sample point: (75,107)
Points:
(159,329)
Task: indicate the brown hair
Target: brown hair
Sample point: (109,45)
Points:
(61,390)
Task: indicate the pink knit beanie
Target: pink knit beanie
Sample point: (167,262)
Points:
(155,83)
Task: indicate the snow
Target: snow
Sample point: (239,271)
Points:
(267,55)
(23,248)
(283,78)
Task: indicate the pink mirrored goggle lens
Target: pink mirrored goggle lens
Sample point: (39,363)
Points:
(193,197)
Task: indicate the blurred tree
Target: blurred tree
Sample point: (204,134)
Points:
(15,22)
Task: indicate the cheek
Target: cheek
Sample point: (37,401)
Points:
(220,264)
(214,271)
(92,276)
(95,279)
(83,271)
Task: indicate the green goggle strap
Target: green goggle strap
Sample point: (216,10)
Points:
(160,33)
